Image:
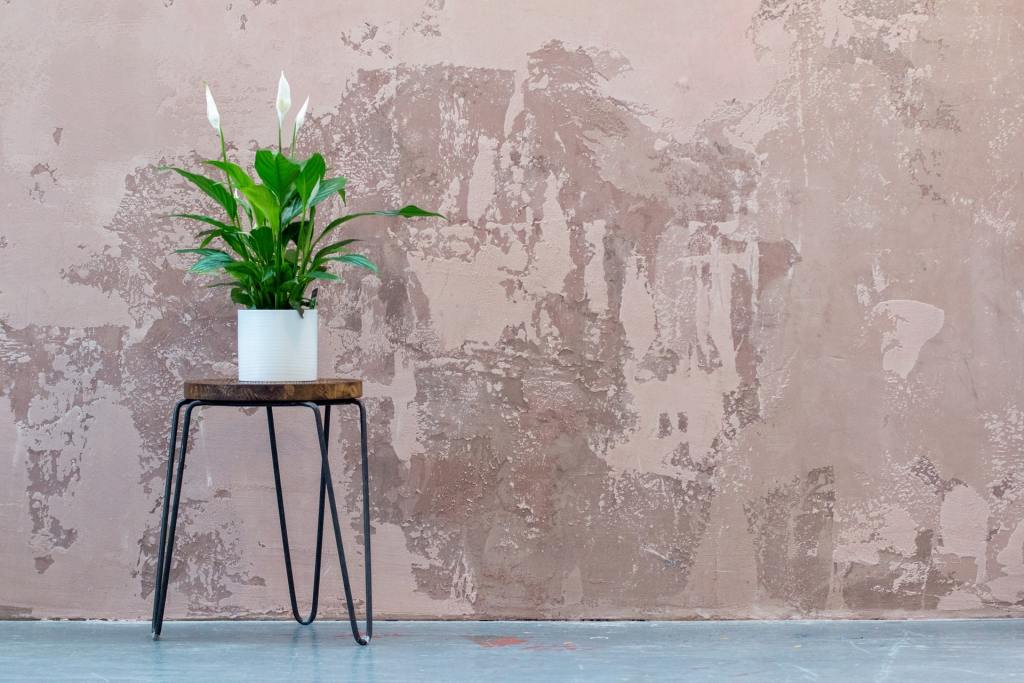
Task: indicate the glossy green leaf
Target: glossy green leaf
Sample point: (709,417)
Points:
(204,219)
(409,211)
(263,243)
(323,275)
(265,203)
(332,249)
(329,188)
(213,260)
(236,240)
(309,177)
(355,260)
(212,188)
(200,251)
(277,172)
(292,210)
(234,172)
(244,269)
(290,233)
(412,211)
(242,298)
(306,233)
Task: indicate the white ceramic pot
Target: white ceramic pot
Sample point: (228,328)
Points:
(276,346)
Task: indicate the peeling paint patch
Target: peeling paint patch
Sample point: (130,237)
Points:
(792,529)
(909,326)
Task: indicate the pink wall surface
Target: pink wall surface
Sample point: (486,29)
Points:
(727,321)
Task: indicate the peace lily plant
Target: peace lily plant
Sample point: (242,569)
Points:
(269,245)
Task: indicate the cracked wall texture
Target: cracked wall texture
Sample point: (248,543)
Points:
(726,323)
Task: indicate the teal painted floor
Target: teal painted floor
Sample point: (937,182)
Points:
(962,650)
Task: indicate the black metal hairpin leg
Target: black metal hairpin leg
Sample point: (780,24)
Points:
(284,527)
(365,470)
(172,443)
(169,526)
(326,478)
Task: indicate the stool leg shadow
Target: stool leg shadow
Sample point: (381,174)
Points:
(326,478)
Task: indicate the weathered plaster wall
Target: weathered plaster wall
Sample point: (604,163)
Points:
(727,322)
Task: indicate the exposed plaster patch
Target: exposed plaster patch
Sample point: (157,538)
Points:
(963,521)
(1009,585)
(909,325)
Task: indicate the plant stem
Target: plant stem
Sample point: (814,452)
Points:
(305,250)
(231,188)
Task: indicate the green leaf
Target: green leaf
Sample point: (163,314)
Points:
(236,239)
(243,203)
(322,275)
(241,298)
(213,260)
(235,172)
(306,233)
(355,260)
(412,211)
(327,189)
(332,249)
(290,233)
(244,269)
(262,240)
(228,233)
(210,264)
(204,219)
(204,252)
(409,211)
(310,176)
(293,209)
(278,173)
(218,192)
(265,203)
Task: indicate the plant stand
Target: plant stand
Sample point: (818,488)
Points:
(312,395)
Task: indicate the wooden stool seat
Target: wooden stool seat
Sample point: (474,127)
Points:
(332,389)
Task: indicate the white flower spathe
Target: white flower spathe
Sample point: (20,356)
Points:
(212,115)
(284,99)
(301,116)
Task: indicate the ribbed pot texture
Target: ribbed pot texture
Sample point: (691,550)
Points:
(277,346)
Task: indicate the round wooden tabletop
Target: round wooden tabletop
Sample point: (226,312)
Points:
(331,389)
